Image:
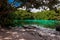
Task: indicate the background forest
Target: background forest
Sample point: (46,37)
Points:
(11,16)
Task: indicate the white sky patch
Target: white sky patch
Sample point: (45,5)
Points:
(23,8)
(59,0)
(57,6)
(34,10)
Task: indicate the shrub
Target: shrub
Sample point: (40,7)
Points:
(12,18)
(45,15)
(23,15)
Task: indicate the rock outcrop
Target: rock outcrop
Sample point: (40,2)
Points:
(28,33)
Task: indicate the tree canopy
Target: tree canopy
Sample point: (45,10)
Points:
(11,4)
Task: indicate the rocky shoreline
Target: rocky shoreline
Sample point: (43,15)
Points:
(29,33)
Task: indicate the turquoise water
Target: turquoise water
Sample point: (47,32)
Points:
(50,23)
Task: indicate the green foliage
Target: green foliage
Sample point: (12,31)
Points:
(23,15)
(58,15)
(17,18)
(8,19)
(17,15)
(45,15)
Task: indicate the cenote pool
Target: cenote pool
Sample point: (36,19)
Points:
(45,23)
